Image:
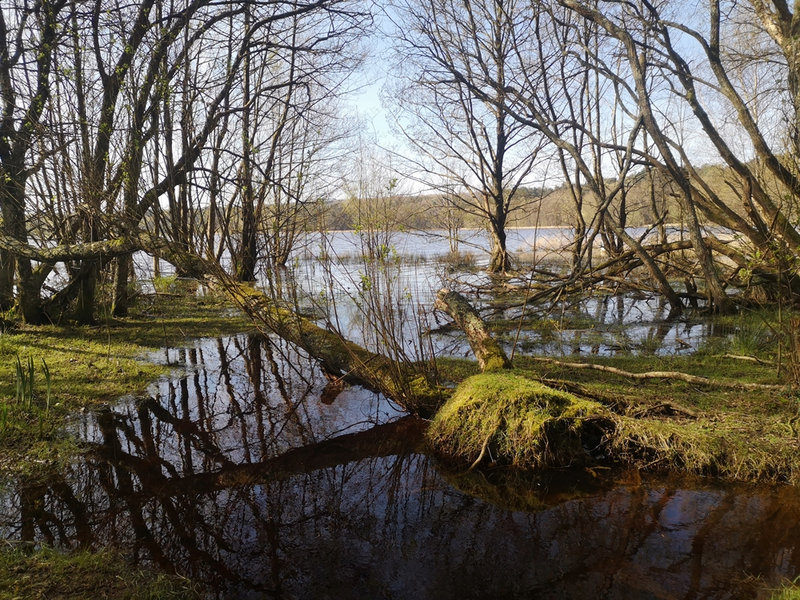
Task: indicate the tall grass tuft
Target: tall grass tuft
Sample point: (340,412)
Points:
(46,371)
(24,380)
(25,383)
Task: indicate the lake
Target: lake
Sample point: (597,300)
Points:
(239,473)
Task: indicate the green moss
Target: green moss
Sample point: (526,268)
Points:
(455,370)
(495,363)
(47,573)
(518,420)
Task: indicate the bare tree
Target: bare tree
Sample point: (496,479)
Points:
(465,141)
(28,37)
(696,70)
(144,93)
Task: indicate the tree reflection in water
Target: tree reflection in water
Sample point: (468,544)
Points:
(236,475)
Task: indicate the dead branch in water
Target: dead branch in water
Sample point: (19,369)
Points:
(674,375)
(398,381)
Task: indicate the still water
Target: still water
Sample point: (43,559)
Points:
(246,473)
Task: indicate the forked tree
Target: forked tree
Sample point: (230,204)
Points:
(464,145)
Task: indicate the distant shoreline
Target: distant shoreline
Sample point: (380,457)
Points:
(510,228)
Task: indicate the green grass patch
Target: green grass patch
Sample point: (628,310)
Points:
(658,425)
(789,591)
(647,392)
(48,573)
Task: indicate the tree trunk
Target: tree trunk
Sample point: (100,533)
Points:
(121,301)
(660,280)
(7,263)
(29,297)
(499,261)
(490,355)
(246,264)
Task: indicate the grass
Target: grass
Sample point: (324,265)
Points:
(48,573)
(790,591)
(657,424)
(73,368)
(76,367)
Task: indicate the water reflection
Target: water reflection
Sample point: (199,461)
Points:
(236,475)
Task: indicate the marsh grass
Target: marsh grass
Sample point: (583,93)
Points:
(460,260)
(724,445)
(789,591)
(657,425)
(48,573)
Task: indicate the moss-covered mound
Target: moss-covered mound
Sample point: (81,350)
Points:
(516,420)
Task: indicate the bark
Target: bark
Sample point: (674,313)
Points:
(29,297)
(82,251)
(499,261)
(247,254)
(490,355)
(6,280)
(121,300)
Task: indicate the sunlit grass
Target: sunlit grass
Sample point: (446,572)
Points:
(75,367)
(48,573)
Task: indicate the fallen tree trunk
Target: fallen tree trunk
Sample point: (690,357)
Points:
(490,355)
(401,382)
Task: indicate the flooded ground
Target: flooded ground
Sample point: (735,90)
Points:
(244,474)
(248,473)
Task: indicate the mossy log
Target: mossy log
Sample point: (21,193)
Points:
(399,381)
(487,351)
